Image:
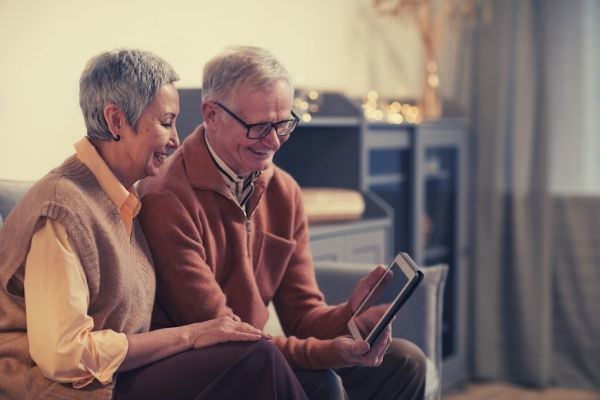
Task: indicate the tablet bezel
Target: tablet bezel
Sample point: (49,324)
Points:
(413,275)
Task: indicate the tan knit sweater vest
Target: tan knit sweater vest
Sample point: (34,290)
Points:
(118,268)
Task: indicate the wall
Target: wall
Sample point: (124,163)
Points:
(591,11)
(574,96)
(330,44)
(334,44)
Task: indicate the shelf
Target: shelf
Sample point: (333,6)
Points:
(385,179)
(388,140)
(325,229)
(385,125)
(446,123)
(438,175)
(330,105)
(325,122)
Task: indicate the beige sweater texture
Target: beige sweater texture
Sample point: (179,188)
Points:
(118,268)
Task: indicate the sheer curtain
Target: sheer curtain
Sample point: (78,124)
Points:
(536,269)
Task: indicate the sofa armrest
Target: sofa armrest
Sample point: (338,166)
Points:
(419,320)
(10,193)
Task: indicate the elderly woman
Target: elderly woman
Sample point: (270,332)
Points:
(76,279)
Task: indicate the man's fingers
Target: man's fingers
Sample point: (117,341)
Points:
(360,348)
(360,353)
(384,340)
(376,274)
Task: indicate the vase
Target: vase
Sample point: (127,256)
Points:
(431,103)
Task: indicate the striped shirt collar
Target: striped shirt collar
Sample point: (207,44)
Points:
(241,187)
(127,202)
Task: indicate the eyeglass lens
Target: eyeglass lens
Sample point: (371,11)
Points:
(282,128)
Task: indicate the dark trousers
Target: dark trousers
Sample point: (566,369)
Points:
(400,376)
(236,370)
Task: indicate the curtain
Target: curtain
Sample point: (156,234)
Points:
(576,303)
(533,297)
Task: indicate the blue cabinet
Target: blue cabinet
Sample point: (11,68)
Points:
(441,235)
(388,173)
(421,172)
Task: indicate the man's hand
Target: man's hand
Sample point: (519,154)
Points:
(365,285)
(357,353)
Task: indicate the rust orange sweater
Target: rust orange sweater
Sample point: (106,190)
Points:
(213,260)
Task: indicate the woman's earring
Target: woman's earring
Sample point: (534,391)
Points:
(116,138)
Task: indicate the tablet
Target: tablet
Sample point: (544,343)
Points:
(384,300)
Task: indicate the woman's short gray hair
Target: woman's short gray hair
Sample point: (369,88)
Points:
(128,78)
(241,65)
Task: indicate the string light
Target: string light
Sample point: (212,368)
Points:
(307,103)
(376,109)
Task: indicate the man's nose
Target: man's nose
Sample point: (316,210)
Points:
(272,140)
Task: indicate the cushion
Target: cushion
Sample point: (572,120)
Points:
(332,204)
(10,193)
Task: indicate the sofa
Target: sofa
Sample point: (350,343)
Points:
(419,320)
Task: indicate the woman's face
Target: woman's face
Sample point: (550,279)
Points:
(156,136)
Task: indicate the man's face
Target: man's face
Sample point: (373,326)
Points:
(228,137)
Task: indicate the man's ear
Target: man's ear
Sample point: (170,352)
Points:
(209,113)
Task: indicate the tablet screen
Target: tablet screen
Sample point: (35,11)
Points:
(385,298)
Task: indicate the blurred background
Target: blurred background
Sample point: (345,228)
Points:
(497,99)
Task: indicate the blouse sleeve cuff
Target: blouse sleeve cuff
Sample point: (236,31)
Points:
(103,357)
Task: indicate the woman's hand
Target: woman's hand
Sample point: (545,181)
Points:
(145,348)
(220,330)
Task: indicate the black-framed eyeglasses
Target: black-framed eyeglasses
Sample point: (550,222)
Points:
(261,129)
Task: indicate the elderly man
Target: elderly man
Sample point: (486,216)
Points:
(228,234)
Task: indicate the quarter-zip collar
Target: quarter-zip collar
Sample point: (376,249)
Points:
(241,187)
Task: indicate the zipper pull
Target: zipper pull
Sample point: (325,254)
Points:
(248,231)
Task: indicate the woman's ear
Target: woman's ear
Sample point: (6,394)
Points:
(114,117)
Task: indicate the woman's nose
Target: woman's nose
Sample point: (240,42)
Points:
(174,140)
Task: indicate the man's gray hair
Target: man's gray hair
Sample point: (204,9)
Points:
(128,78)
(241,65)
